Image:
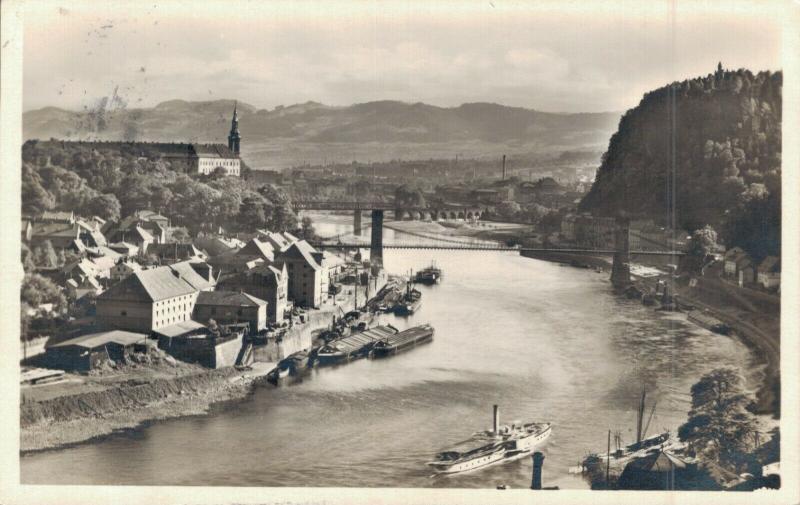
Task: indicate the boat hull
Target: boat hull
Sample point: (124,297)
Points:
(384,349)
(502,451)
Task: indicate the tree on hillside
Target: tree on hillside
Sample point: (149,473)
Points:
(251,214)
(37,290)
(701,246)
(35,198)
(106,206)
(755,223)
(720,429)
(307,231)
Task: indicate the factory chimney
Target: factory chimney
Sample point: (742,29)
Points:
(496,417)
(504,167)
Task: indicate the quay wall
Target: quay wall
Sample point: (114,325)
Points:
(297,338)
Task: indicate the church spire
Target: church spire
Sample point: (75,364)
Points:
(234,138)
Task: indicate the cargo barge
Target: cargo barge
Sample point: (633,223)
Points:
(353,347)
(402,341)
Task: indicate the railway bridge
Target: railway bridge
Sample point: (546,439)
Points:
(401,212)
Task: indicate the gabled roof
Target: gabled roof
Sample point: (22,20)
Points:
(290,238)
(213,151)
(54,215)
(56,229)
(149,215)
(190,275)
(302,249)
(83,266)
(154,284)
(175,250)
(217,245)
(122,245)
(277,241)
(98,339)
(181,328)
(228,299)
(732,253)
(255,247)
(770,264)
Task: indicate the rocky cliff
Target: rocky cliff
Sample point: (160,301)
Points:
(698,152)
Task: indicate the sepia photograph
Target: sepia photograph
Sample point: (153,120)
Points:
(400,252)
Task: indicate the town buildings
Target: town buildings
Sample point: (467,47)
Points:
(739,265)
(148,300)
(769,272)
(266,282)
(86,352)
(230,307)
(306,275)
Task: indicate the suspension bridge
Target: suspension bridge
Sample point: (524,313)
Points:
(621,252)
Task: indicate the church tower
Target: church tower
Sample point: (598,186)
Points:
(233,137)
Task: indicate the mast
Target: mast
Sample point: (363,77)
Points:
(639,416)
(608,460)
(650,418)
(355,299)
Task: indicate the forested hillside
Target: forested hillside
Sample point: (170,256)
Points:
(702,151)
(114,181)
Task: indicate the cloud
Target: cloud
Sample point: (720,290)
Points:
(543,55)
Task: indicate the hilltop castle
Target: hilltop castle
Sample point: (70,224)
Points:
(183,157)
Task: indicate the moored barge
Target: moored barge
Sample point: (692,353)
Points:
(402,341)
(353,347)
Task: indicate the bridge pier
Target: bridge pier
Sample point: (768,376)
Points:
(376,243)
(621,269)
(357,223)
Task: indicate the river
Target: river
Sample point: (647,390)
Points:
(544,342)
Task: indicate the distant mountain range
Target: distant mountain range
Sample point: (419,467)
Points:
(382,122)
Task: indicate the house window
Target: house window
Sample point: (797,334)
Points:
(123,313)
(239,312)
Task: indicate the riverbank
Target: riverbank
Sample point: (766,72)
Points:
(60,420)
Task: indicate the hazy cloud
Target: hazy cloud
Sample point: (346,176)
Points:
(543,55)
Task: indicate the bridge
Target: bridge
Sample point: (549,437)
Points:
(620,271)
(378,207)
(481,247)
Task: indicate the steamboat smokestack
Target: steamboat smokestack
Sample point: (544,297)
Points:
(496,418)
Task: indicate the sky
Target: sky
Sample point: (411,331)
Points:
(562,56)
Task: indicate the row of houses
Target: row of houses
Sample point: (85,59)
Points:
(740,266)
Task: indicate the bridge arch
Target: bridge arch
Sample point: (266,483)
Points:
(452,215)
(461,215)
(469,214)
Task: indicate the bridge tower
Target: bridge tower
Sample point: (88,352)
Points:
(621,269)
(376,243)
(357,222)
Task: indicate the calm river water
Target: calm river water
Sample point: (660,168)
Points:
(545,342)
